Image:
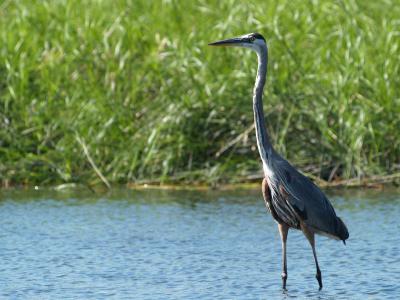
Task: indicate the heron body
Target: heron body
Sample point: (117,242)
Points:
(293,200)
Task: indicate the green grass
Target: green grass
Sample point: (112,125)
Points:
(135,82)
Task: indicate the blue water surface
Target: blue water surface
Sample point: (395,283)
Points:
(189,245)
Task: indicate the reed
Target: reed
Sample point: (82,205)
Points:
(133,86)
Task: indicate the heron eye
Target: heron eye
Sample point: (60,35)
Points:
(252,39)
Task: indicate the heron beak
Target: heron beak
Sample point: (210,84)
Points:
(228,42)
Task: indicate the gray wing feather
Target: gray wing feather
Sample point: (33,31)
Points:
(308,200)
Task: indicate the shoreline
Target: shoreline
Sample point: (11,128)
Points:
(374,182)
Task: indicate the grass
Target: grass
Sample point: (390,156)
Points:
(128,90)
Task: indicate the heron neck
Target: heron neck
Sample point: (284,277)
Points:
(263,143)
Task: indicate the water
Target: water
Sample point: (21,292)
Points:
(188,245)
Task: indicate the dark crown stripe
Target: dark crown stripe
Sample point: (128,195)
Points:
(258,36)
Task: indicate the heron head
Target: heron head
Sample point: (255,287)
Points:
(252,40)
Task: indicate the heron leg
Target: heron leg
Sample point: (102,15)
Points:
(311,238)
(318,276)
(283,231)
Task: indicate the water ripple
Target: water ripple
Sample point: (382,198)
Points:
(188,246)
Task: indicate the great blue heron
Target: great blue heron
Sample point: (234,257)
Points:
(293,200)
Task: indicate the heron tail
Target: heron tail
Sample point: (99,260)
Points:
(341,230)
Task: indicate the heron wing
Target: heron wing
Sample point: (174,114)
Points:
(309,202)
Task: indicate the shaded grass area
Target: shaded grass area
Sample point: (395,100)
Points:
(129,91)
